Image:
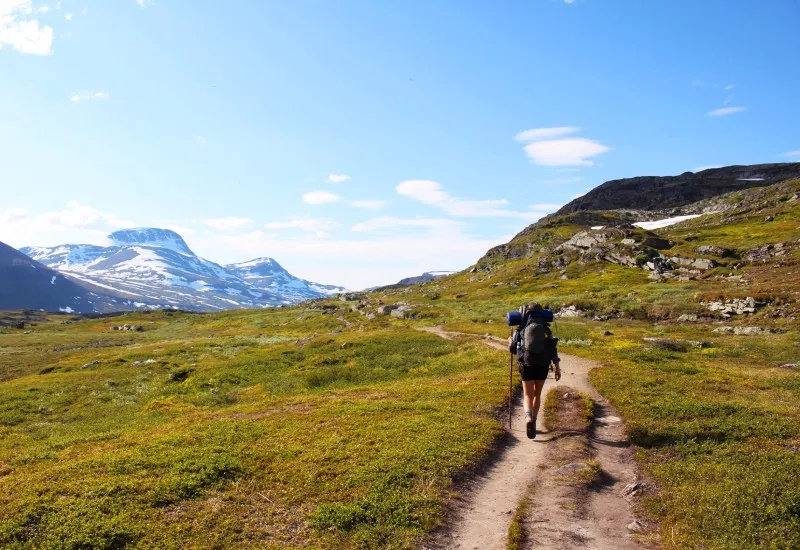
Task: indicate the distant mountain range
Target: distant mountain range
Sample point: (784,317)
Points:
(151,268)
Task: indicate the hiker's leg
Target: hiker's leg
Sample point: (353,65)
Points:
(528,389)
(537,395)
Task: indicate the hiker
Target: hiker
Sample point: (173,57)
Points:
(536,349)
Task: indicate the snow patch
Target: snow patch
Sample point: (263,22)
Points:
(750,179)
(596,227)
(53,279)
(658,224)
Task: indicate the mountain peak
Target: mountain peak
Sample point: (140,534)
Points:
(151,236)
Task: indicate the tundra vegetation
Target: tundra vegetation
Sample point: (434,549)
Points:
(335,423)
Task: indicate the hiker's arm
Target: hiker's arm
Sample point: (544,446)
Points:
(557,367)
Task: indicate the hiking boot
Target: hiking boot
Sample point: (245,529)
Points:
(530,426)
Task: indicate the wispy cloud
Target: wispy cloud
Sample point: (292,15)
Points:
(89,96)
(369,205)
(337,178)
(431,193)
(142,3)
(573,151)
(320,197)
(730,87)
(22,31)
(230,223)
(68,16)
(793,155)
(726,111)
(561,181)
(200,139)
(545,133)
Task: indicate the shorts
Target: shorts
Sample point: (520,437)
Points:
(535,372)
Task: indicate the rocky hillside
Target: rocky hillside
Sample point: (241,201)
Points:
(670,192)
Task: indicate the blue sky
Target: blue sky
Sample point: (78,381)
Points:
(358,142)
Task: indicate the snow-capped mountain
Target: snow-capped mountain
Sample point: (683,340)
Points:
(266,273)
(151,267)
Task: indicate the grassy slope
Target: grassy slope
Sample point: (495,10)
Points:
(239,435)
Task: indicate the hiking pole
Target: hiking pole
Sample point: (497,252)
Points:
(510,386)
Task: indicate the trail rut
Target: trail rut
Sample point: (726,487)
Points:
(483,512)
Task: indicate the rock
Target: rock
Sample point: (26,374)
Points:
(370,316)
(711,250)
(346,345)
(386,310)
(28,332)
(637,526)
(658,243)
(20,325)
(137,328)
(788,366)
(744,331)
(632,489)
(570,311)
(628,242)
(608,333)
(735,306)
(402,312)
(769,219)
(687,318)
(473,270)
(621,259)
(704,264)
(90,364)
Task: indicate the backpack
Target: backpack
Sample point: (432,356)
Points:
(535,343)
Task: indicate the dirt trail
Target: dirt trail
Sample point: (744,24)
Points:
(484,511)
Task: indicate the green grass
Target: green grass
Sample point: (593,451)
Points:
(516,530)
(235,435)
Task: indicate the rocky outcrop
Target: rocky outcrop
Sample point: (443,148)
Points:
(664,192)
(734,306)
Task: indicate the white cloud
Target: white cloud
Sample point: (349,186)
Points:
(730,86)
(76,223)
(431,193)
(142,3)
(320,197)
(564,152)
(368,205)
(68,16)
(310,225)
(536,134)
(794,155)
(337,178)
(230,223)
(709,167)
(559,152)
(21,31)
(569,1)
(725,111)
(89,96)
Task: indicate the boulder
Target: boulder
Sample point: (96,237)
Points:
(703,263)
(711,250)
(658,243)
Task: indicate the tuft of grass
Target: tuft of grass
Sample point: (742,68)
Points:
(516,530)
